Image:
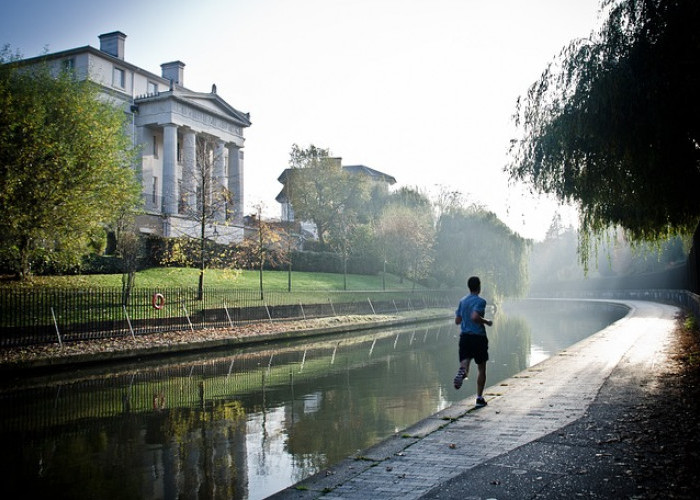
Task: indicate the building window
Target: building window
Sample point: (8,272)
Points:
(68,64)
(155,146)
(119,78)
(154,195)
(179,152)
(152,88)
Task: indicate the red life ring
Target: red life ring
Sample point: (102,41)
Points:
(158,300)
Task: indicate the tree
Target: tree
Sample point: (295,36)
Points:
(272,244)
(406,234)
(322,192)
(204,198)
(553,260)
(473,241)
(65,166)
(613,127)
(128,249)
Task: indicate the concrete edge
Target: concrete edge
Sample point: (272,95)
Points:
(77,360)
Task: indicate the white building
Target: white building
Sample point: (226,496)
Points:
(168,122)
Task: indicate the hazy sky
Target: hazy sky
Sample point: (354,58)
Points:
(423,90)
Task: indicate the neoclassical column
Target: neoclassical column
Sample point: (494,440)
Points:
(170,169)
(235,181)
(189,180)
(219,182)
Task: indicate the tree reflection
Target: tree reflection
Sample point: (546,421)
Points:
(248,423)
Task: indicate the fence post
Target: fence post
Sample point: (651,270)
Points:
(187,315)
(228,315)
(371,306)
(131,329)
(55,323)
(303,361)
(335,349)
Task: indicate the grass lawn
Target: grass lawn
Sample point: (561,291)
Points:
(189,277)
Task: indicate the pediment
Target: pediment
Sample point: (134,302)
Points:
(215,104)
(206,103)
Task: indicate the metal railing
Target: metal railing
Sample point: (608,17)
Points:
(682,298)
(48,315)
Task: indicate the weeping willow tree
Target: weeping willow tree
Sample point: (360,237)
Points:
(612,124)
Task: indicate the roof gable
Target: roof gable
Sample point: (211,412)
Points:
(212,102)
(370,172)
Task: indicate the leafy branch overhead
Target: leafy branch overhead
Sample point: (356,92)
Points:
(612,125)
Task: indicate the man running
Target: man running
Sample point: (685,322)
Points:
(473,343)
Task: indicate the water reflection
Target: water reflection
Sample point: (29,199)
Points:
(247,423)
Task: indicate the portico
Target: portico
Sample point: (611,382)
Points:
(189,144)
(192,161)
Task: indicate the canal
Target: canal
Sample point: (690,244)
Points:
(246,423)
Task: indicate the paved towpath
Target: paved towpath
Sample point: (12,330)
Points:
(510,449)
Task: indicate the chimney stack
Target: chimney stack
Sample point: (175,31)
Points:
(174,71)
(113,44)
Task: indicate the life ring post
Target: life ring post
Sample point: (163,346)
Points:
(158,301)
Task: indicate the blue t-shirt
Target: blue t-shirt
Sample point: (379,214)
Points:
(467,305)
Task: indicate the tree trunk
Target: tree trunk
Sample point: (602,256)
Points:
(200,287)
(127,286)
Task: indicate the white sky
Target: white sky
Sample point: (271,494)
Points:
(423,90)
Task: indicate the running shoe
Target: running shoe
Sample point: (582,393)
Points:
(459,378)
(480,402)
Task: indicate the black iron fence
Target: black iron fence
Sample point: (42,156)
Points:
(34,316)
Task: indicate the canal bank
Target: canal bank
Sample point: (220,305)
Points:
(606,418)
(46,358)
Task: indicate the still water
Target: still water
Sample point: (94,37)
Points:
(247,423)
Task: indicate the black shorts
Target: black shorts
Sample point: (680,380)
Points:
(472,346)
